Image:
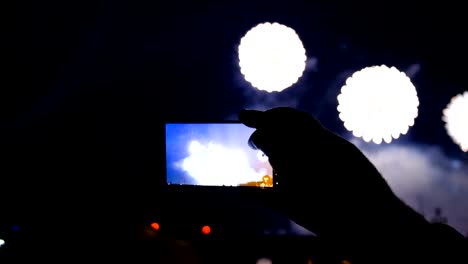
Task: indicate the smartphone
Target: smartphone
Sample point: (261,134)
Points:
(214,154)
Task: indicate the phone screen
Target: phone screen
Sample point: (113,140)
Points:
(214,154)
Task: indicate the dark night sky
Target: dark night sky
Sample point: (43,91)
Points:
(91,82)
(150,58)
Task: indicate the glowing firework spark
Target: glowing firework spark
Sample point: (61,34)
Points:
(271,57)
(455,116)
(378,103)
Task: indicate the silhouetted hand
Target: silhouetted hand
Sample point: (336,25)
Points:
(327,185)
(317,168)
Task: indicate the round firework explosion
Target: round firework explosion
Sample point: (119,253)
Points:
(378,103)
(271,57)
(455,116)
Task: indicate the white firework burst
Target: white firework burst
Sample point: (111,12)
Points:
(378,103)
(271,57)
(455,116)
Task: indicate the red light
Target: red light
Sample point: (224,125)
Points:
(155,226)
(206,230)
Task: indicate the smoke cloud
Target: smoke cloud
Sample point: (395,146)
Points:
(260,100)
(425,178)
(218,165)
(413,69)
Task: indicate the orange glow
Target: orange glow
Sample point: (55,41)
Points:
(155,226)
(206,230)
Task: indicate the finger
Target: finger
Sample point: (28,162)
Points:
(269,118)
(281,126)
(251,118)
(259,140)
(288,117)
(279,117)
(276,145)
